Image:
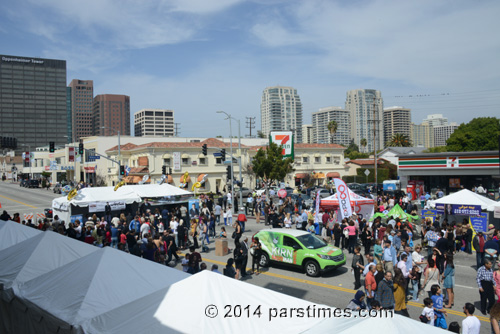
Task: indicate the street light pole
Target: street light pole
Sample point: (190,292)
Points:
(119,149)
(228,116)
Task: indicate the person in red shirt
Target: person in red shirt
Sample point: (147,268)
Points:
(242,219)
(370,285)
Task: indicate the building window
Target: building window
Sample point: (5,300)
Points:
(305,160)
(328,160)
(218,161)
(166,162)
(203,161)
(317,160)
(185,161)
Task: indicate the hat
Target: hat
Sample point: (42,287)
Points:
(491,226)
(393,232)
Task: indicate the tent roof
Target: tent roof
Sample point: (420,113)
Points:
(168,310)
(106,279)
(396,325)
(12,233)
(35,256)
(466,197)
(355,198)
(128,193)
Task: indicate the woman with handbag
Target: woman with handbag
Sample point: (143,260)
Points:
(255,251)
(431,275)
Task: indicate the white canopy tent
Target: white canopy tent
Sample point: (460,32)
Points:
(182,308)
(12,233)
(466,197)
(92,285)
(127,194)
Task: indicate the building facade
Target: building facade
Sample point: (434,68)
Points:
(281,110)
(324,116)
(396,120)
(366,112)
(307,134)
(32,100)
(111,113)
(442,133)
(81,104)
(422,135)
(154,122)
(436,120)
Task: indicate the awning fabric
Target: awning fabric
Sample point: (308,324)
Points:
(300,175)
(200,177)
(333,174)
(319,176)
(170,179)
(182,179)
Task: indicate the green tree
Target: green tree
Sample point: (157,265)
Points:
(480,134)
(332,128)
(437,149)
(260,134)
(363,143)
(352,152)
(270,165)
(399,140)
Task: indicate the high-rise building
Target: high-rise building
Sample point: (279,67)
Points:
(396,120)
(33,101)
(443,133)
(154,122)
(111,113)
(307,134)
(81,104)
(320,120)
(436,120)
(422,135)
(69,117)
(281,110)
(366,107)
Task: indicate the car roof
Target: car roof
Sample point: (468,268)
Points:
(295,233)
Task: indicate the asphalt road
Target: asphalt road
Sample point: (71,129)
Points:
(333,289)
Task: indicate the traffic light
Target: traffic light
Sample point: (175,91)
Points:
(122,170)
(164,170)
(223,154)
(170,170)
(228,172)
(80,148)
(204,149)
(52,147)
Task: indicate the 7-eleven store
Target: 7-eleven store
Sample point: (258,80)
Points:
(450,170)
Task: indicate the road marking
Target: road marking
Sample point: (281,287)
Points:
(13,200)
(332,287)
(468,287)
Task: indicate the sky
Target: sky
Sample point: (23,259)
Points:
(200,56)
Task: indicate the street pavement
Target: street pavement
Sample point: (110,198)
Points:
(333,289)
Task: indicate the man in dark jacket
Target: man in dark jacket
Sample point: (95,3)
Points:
(385,292)
(478,244)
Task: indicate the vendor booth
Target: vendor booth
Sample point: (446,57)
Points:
(364,207)
(126,198)
(396,212)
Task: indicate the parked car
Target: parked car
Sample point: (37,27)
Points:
(23,183)
(299,249)
(307,201)
(244,192)
(57,188)
(33,184)
(322,193)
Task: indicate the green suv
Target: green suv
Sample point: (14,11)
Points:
(299,248)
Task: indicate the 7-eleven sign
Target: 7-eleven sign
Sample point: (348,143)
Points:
(284,139)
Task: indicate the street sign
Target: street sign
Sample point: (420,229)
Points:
(367,172)
(93,157)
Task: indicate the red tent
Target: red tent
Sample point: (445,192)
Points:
(361,205)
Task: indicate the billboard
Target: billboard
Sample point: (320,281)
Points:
(284,139)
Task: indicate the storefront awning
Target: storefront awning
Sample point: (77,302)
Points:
(170,179)
(187,180)
(333,174)
(134,179)
(200,177)
(300,175)
(319,176)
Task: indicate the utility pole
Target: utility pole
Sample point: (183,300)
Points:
(375,130)
(177,130)
(250,124)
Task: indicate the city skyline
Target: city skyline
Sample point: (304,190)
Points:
(197,57)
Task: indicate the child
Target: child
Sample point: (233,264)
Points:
(225,217)
(439,311)
(185,263)
(428,311)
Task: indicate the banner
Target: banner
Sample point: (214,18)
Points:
(72,219)
(343,198)
(177,161)
(463,210)
(285,140)
(479,223)
(318,200)
(496,211)
(429,213)
(27,157)
(100,206)
(71,154)
(440,209)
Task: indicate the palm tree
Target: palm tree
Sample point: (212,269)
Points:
(363,143)
(332,128)
(399,140)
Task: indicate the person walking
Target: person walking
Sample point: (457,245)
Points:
(449,280)
(255,251)
(439,311)
(431,275)
(478,244)
(486,285)
(400,293)
(245,251)
(471,324)
(385,292)
(357,265)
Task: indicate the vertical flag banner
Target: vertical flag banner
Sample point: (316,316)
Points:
(316,216)
(71,155)
(343,197)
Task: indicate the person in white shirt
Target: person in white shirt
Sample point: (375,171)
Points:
(402,265)
(145,229)
(471,324)
(428,311)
